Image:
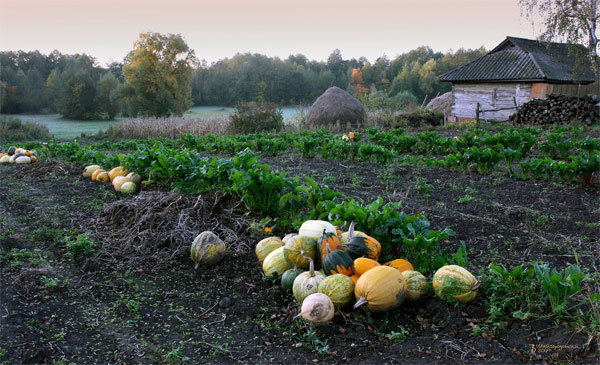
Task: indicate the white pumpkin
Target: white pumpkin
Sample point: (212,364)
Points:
(314,229)
(317,308)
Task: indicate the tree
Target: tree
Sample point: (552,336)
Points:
(575,21)
(158,75)
(107,96)
(356,80)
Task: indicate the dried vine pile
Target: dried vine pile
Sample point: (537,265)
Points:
(157,226)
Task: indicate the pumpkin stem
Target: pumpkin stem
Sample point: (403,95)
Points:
(360,301)
(311,267)
(476,285)
(351,231)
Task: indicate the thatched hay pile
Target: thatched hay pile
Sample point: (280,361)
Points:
(441,104)
(157,226)
(335,107)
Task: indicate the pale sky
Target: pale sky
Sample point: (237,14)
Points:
(216,29)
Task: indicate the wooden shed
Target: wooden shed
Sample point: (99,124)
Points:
(513,73)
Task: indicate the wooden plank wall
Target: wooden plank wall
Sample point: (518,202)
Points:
(490,97)
(542,90)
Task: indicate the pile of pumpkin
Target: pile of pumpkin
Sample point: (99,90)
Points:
(349,269)
(17,155)
(122,180)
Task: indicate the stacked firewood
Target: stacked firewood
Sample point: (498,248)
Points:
(558,109)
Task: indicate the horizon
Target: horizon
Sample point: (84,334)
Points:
(274,28)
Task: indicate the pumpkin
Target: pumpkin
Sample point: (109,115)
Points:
(317,308)
(400,264)
(339,288)
(13,158)
(128,187)
(22,159)
(19,150)
(117,171)
(88,171)
(5,159)
(327,239)
(363,264)
(453,281)
(416,285)
(307,283)
(288,277)
(288,236)
(299,250)
(95,174)
(381,289)
(136,178)
(354,278)
(275,263)
(119,181)
(359,246)
(338,262)
(33,158)
(266,246)
(207,249)
(314,229)
(103,176)
(27,153)
(11,150)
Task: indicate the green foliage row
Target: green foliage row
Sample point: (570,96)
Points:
(526,290)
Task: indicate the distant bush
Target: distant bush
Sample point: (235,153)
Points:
(13,129)
(255,117)
(404,99)
(378,100)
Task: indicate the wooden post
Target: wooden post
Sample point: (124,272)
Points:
(577,105)
(477,114)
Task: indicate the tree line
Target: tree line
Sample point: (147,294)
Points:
(161,76)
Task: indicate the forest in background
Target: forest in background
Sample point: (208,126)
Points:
(77,87)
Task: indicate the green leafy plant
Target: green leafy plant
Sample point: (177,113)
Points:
(421,244)
(558,286)
(508,294)
(82,245)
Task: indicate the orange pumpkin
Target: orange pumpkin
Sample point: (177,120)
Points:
(363,264)
(328,239)
(400,264)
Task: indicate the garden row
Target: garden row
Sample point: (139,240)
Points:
(556,155)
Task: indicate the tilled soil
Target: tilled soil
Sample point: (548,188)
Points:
(99,308)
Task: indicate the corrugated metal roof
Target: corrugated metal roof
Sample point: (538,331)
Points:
(518,59)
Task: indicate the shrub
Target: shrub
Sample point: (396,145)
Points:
(255,117)
(13,129)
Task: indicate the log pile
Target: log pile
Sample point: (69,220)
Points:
(558,109)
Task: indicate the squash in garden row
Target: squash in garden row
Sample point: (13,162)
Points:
(17,155)
(122,180)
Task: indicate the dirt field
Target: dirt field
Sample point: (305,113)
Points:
(105,308)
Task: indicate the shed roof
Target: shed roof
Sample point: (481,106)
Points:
(519,59)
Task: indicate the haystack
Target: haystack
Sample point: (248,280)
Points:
(335,108)
(441,104)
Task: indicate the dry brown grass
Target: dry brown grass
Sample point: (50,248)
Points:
(168,127)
